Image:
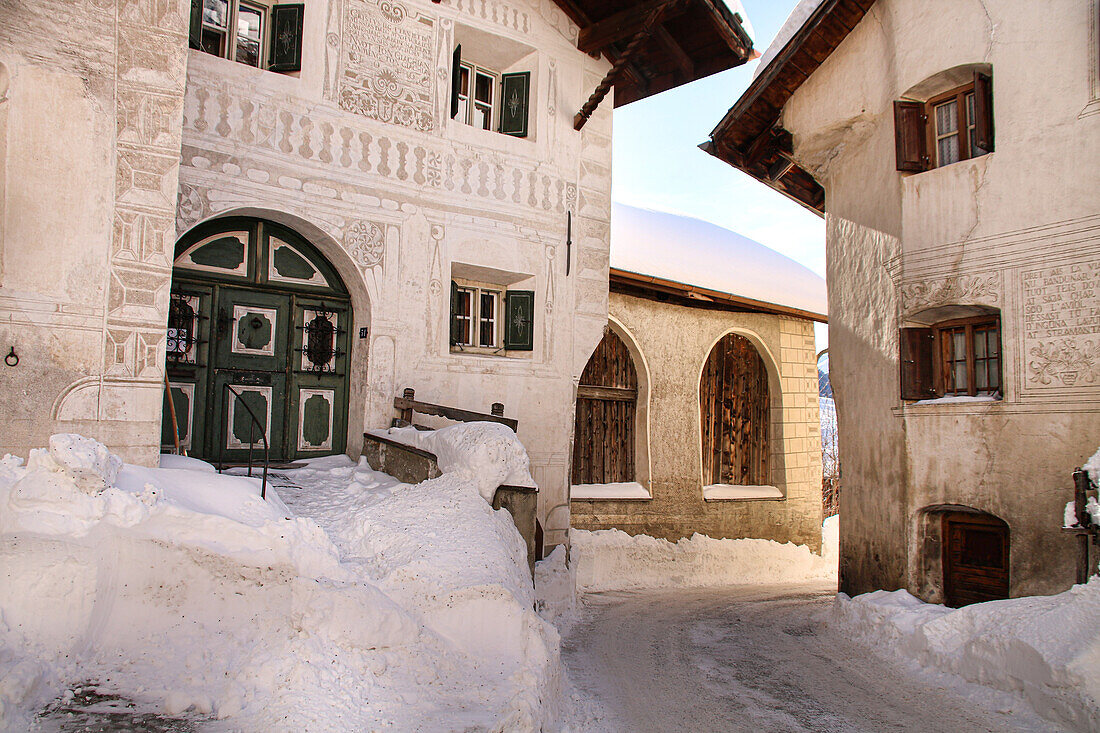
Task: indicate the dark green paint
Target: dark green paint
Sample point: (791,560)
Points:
(242,420)
(179,397)
(226,253)
(519,320)
(254,331)
(289,264)
(315,419)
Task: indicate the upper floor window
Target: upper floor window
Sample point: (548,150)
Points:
(487,99)
(489,318)
(952,126)
(952,358)
(253,32)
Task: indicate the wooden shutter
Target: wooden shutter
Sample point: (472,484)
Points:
(286,37)
(456,80)
(734,409)
(916,364)
(607,396)
(194,33)
(456,325)
(519,320)
(515,92)
(983,111)
(909,136)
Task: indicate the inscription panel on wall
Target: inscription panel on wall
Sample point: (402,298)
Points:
(1061,326)
(386,66)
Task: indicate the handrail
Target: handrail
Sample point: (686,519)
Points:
(251,433)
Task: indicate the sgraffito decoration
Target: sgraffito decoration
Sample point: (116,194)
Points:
(385,66)
(954,290)
(1061,325)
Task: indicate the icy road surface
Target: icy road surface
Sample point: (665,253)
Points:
(755,659)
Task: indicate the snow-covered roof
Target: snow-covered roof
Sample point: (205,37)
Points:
(803,10)
(694,252)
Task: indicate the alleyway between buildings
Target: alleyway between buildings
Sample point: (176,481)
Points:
(754,658)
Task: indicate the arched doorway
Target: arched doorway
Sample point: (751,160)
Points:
(975,557)
(607,401)
(258,319)
(734,410)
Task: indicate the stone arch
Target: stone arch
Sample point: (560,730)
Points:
(963,554)
(758,460)
(332,257)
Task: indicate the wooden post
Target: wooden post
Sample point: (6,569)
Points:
(497,409)
(1080,493)
(407,413)
(172,412)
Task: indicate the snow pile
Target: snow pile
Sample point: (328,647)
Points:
(1092,467)
(379,604)
(487,453)
(1045,647)
(556,588)
(609,559)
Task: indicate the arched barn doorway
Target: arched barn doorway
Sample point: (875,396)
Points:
(607,403)
(734,410)
(258,319)
(975,558)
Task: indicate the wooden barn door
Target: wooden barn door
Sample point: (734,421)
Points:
(607,399)
(975,558)
(734,406)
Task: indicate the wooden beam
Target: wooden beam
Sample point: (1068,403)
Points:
(608,80)
(728,28)
(687,66)
(618,394)
(451,413)
(622,24)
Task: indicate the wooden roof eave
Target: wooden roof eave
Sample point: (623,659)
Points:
(706,295)
(755,115)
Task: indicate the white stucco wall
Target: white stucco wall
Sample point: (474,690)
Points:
(443,193)
(115,139)
(1000,230)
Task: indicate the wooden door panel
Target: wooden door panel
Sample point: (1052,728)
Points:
(603,437)
(975,558)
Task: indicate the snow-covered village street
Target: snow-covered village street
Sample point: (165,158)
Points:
(755,658)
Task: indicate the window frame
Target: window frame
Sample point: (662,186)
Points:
(474,317)
(965,124)
(468,97)
(942,374)
(229,49)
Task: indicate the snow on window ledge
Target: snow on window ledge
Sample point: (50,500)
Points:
(628,490)
(728,492)
(957,400)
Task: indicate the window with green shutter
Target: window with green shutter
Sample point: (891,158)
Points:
(514,96)
(519,320)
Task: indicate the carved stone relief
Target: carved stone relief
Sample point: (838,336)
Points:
(954,290)
(386,63)
(1061,325)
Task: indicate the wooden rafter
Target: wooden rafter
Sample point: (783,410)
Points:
(640,36)
(623,24)
(674,50)
(727,26)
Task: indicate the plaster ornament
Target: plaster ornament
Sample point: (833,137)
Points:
(1069,362)
(366,242)
(954,290)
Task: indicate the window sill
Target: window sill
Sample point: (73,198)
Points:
(220,65)
(728,492)
(498,353)
(956,400)
(624,491)
(470,135)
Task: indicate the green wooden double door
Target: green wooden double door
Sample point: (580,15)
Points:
(249,363)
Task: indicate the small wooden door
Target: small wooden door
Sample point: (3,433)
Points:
(607,399)
(975,558)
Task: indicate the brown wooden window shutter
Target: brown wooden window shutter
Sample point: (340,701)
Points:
(287,22)
(194,34)
(917,381)
(456,79)
(983,111)
(909,136)
(514,101)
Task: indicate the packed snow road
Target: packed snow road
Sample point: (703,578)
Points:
(755,659)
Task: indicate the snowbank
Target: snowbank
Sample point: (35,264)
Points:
(1046,647)
(361,603)
(609,559)
(487,453)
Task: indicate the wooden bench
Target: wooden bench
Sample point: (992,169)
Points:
(407,404)
(413,465)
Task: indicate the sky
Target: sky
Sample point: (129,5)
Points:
(656,162)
